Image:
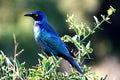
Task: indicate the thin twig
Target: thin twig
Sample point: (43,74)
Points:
(15,47)
(19,52)
(105,77)
(11,66)
(16,70)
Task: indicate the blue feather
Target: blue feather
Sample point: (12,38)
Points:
(47,38)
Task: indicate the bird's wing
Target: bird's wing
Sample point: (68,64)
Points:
(55,43)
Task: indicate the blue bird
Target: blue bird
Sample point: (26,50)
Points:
(50,42)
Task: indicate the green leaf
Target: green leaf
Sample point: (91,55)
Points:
(67,38)
(107,18)
(103,16)
(47,66)
(41,55)
(88,45)
(96,19)
(111,10)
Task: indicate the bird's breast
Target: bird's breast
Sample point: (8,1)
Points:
(40,32)
(36,31)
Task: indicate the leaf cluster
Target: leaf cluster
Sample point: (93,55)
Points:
(46,69)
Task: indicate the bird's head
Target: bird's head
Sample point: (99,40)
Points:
(37,15)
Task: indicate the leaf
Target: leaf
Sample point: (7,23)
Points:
(111,10)
(96,19)
(107,18)
(88,45)
(67,38)
(41,56)
(103,16)
(47,66)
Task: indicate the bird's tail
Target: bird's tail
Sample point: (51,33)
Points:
(75,65)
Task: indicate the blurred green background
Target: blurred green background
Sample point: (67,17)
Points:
(106,42)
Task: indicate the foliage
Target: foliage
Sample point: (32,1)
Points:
(11,69)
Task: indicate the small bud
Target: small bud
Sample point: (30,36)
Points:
(111,10)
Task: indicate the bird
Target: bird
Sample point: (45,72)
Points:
(48,39)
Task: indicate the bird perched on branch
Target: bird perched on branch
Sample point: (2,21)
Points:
(47,38)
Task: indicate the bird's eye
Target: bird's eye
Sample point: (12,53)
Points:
(36,15)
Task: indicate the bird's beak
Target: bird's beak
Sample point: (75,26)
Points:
(29,14)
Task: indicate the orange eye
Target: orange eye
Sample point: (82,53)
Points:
(36,15)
